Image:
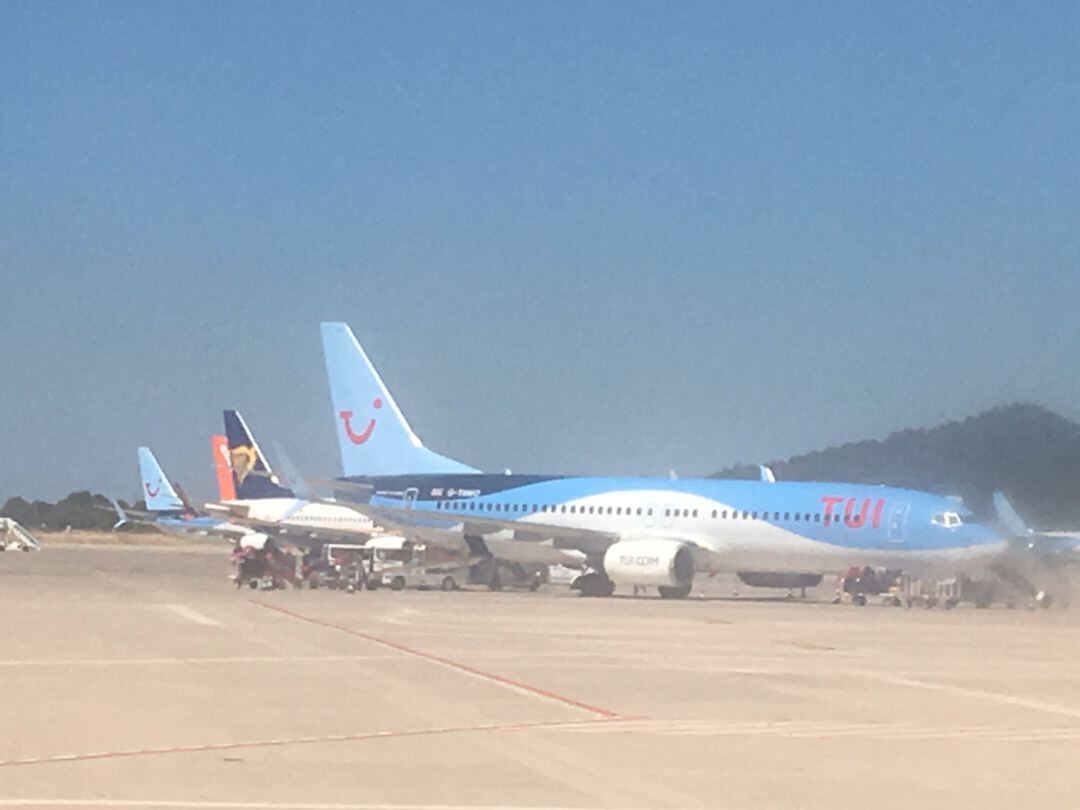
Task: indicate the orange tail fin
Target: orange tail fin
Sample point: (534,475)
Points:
(226,487)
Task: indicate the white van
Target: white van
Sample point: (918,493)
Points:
(396,563)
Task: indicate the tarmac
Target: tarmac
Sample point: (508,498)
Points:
(137,676)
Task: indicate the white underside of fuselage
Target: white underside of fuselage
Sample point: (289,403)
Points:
(793,554)
(737,544)
(308,516)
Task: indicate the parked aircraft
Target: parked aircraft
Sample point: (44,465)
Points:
(169,510)
(258,498)
(633,531)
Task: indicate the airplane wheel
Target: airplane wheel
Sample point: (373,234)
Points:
(676,592)
(595,585)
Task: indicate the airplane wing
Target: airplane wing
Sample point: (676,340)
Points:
(1062,548)
(125,517)
(429,525)
(292,476)
(1051,547)
(1008,516)
(451,530)
(238,511)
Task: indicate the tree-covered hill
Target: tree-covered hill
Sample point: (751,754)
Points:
(1026,451)
(79,510)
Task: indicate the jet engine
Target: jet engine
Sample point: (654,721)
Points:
(667,564)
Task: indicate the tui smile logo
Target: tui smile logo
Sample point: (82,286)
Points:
(153,493)
(363,435)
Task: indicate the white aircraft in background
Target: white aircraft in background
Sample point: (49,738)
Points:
(251,493)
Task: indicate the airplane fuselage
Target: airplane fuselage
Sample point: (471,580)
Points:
(732,524)
(311,516)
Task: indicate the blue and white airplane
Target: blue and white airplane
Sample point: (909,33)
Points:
(634,531)
(170,512)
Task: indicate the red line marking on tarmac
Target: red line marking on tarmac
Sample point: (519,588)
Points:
(329,738)
(520,686)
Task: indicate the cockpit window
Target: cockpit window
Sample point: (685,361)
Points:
(950,520)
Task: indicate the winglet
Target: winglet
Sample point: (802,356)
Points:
(373,436)
(1009,517)
(293,478)
(121,515)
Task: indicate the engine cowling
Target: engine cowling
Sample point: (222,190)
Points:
(665,563)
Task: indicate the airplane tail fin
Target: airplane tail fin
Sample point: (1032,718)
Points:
(159,493)
(251,474)
(373,436)
(223,467)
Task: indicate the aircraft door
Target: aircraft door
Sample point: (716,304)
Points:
(410,497)
(897,521)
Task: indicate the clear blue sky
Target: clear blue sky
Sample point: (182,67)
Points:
(589,237)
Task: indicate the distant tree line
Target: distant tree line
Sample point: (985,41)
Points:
(79,510)
(1029,453)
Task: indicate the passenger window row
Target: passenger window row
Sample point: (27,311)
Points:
(724,514)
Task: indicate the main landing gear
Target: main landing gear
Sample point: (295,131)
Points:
(674,591)
(593,584)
